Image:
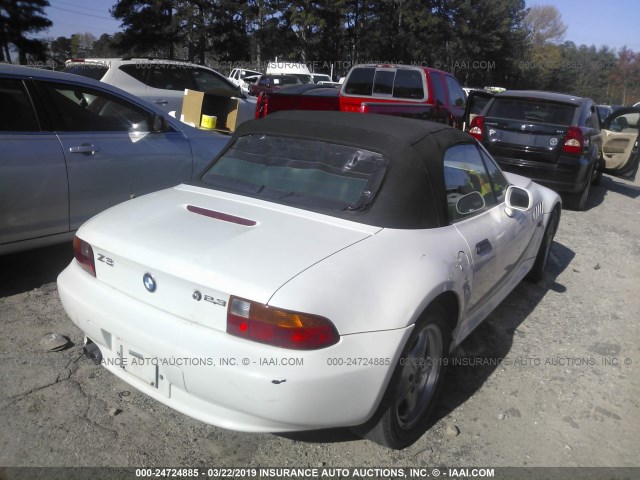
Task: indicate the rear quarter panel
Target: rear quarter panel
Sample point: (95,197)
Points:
(381,283)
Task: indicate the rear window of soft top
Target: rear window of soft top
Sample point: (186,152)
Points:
(299,172)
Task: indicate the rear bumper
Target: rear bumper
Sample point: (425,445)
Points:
(227,381)
(570,174)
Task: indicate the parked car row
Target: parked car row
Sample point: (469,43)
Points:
(270,83)
(561,141)
(245,237)
(161,82)
(401,90)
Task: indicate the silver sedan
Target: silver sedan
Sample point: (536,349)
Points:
(72,147)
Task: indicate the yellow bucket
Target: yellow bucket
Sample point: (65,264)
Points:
(208,122)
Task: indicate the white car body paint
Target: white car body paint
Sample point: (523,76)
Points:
(372,283)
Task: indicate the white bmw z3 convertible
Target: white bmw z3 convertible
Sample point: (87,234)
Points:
(316,274)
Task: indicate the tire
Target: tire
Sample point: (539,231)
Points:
(413,391)
(597,178)
(537,271)
(578,201)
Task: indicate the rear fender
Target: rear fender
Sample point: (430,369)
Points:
(383,282)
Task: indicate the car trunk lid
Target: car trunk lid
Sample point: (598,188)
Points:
(200,246)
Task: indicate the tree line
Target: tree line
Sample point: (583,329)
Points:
(490,42)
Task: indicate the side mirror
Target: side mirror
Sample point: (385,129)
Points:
(160,124)
(470,203)
(517,198)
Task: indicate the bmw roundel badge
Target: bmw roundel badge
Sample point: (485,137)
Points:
(149,282)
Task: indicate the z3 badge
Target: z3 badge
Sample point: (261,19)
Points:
(107,260)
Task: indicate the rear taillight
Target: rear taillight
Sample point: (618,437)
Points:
(476,128)
(84,255)
(280,328)
(574,141)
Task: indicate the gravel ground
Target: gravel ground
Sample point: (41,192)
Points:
(549,379)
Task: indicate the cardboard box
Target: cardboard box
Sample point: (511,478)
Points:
(225,109)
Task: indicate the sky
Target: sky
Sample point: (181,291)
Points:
(80,16)
(599,22)
(591,22)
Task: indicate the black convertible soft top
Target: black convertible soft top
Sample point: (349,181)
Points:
(412,194)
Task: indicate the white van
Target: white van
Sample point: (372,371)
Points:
(284,67)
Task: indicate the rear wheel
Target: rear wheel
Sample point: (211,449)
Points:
(415,386)
(539,266)
(578,201)
(597,178)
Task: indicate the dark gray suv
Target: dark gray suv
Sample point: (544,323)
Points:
(554,139)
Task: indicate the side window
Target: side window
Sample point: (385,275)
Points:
(467,183)
(263,82)
(79,109)
(625,123)
(169,77)
(360,82)
(438,88)
(205,80)
(18,114)
(408,84)
(499,183)
(456,94)
(136,70)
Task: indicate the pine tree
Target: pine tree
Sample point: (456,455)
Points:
(149,27)
(17,20)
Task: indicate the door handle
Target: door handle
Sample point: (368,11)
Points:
(161,102)
(484,247)
(85,148)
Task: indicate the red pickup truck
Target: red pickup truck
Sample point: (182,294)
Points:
(408,91)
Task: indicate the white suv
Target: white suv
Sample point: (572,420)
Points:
(161,82)
(239,77)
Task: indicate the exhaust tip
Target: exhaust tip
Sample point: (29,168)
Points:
(92,352)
